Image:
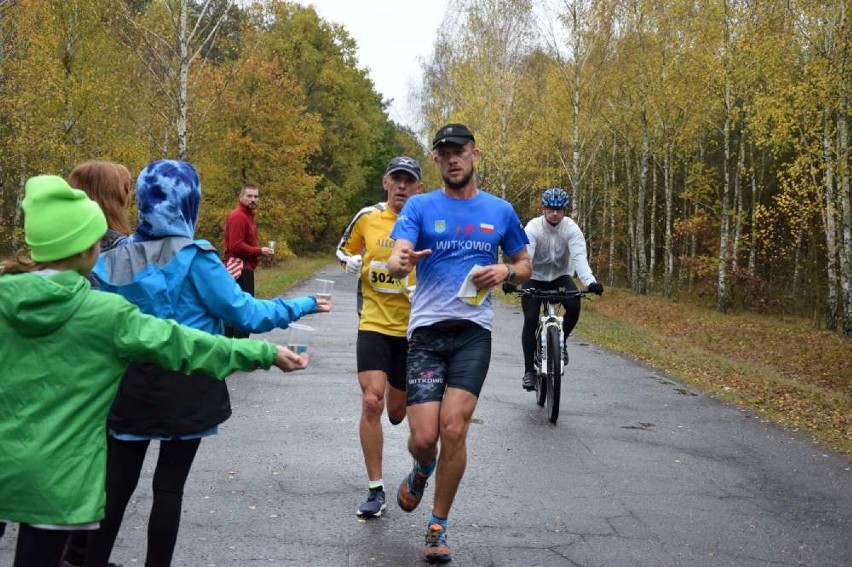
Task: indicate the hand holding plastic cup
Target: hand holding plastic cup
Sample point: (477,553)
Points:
(299,337)
(325,289)
(271,244)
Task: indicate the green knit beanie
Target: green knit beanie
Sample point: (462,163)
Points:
(59,221)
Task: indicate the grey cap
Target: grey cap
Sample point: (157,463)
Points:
(406,164)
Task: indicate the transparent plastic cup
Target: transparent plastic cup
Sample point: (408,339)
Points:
(324,289)
(299,337)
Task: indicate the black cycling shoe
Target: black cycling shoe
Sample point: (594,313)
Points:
(529,381)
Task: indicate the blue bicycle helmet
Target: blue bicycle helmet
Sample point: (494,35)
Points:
(555,198)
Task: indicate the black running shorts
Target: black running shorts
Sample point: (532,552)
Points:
(376,351)
(449,354)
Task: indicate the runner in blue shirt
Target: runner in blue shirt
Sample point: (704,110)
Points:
(452,235)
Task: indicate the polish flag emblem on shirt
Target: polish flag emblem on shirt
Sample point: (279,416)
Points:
(484,227)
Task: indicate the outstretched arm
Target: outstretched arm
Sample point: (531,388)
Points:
(404,258)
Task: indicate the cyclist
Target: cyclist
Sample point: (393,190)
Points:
(383,307)
(558,249)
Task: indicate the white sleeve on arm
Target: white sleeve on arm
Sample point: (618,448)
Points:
(577,246)
(352,238)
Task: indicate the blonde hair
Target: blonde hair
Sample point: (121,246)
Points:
(108,184)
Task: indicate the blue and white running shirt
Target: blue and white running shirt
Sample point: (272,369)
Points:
(462,233)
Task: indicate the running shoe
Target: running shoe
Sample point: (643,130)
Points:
(374,504)
(436,545)
(411,489)
(528,382)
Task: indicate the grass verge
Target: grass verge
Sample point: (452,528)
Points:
(272,280)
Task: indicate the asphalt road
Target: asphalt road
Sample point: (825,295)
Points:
(639,471)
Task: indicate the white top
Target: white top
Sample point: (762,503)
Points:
(557,250)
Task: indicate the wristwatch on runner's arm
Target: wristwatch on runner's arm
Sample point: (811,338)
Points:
(511,275)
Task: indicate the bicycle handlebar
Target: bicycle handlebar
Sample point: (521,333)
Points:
(552,294)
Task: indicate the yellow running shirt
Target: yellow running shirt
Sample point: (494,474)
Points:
(383,302)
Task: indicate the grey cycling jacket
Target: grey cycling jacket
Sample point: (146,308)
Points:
(557,250)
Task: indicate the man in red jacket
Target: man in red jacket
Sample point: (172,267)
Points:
(241,241)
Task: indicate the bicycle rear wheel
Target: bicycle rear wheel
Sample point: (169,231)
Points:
(554,373)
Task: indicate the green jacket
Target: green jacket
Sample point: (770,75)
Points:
(64,349)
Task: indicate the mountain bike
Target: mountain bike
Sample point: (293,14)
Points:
(549,358)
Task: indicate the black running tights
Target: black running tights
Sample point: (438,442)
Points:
(124,465)
(532,311)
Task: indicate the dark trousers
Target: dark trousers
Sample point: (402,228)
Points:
(246,283)
(39,548)
(124,465)
(75,554)
(532,311)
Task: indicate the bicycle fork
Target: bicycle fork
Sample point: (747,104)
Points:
(546,322)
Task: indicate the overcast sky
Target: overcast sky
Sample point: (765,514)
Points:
(392,37)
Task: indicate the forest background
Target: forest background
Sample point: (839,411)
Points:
(705,145)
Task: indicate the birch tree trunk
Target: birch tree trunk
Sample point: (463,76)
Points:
(606,212)
(828,219)
(693,251)
(668,253)
(843,172)
(183,81)
(575,107)
(722,283)
(738,204)
(846,211)
(752,249)
(653,232)
(612,215)
(641,286)
(632,263)
(641,280)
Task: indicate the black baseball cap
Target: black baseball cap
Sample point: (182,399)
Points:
(406,164)
(453,134)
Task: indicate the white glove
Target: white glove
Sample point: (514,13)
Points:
(353,264)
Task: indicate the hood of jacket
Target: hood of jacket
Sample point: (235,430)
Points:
(168,193)
(35,305)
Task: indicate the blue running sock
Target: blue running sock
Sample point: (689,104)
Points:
(428,469)
(436,520)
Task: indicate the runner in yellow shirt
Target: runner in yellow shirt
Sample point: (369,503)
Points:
(383,308)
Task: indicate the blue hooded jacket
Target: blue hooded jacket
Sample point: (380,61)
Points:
(171,276)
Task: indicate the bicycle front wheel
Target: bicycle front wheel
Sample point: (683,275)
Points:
(541,386)
(554,373)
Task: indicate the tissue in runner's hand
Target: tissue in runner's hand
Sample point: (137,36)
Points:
(469,292)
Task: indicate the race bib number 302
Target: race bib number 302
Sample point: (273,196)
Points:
(381,280)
